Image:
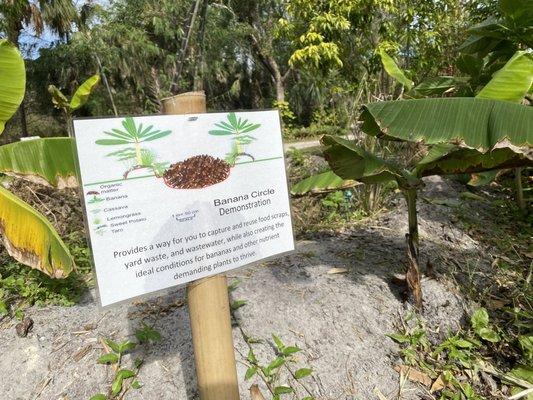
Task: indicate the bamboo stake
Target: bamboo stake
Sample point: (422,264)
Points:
(209,304)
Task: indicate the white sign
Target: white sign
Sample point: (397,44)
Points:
(173,198)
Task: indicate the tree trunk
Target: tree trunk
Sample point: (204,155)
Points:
(23,119)
(14,36)
(106,84)
(174,88)
(199,67)
(280,87)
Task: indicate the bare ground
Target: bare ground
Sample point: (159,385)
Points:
(339,320)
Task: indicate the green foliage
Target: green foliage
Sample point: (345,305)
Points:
(21,286)
(270,372)
(79,98)
(326,181)
(47,161)
(147,334)
(393,70)
(12,81)
(125,378)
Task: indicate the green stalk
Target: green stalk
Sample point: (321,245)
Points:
(519,189)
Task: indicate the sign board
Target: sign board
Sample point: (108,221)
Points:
(173,198)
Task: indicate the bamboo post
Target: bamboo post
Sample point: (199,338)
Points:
(209,304)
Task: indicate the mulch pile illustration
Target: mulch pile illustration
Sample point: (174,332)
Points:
(196,172)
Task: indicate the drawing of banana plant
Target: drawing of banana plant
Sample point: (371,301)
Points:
(138,156)
(239,129)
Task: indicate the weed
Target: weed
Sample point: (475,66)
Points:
(456,365)
(124,378)
(270,372)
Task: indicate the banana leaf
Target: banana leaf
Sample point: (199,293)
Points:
(482,178)
(31,239)
(350,161)
(45,161)
(437,86)
(448,159)
(320,183)
(513,81)
(12,81)
(475,123)
(81,95)
(58,99)
(393,70)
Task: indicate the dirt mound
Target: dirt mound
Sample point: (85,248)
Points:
(196,172)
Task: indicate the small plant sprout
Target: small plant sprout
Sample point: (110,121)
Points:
(93,193)
(135,135)
(239,128)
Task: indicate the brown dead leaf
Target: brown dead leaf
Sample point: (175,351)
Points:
(336,270)
(255,393)
(414,374)
(437,385)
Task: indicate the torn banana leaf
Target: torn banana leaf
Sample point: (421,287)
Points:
(30,239)
(477,123)
(46,161)
(448,159)
(350,161)
(320,183)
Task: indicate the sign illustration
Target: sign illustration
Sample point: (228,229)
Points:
(173,198)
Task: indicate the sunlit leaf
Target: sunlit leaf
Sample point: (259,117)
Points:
(393,70)
(30,239)
(12,81)
(476,123)
(83,92)
(512,82)
(46,161)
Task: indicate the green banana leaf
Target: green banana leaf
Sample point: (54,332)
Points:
(31,239)
(437,86)
(350,161)
(476,123)
(82,94)
(45,161)
(320,183)
(12,81)
(393,70)
(448,159)
(513,81)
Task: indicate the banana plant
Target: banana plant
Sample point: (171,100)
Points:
(239,129)
(27,235)
(464,135)
(135,135)
(79,98)
(512,82)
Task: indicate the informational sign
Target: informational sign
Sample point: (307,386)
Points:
(173,198)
